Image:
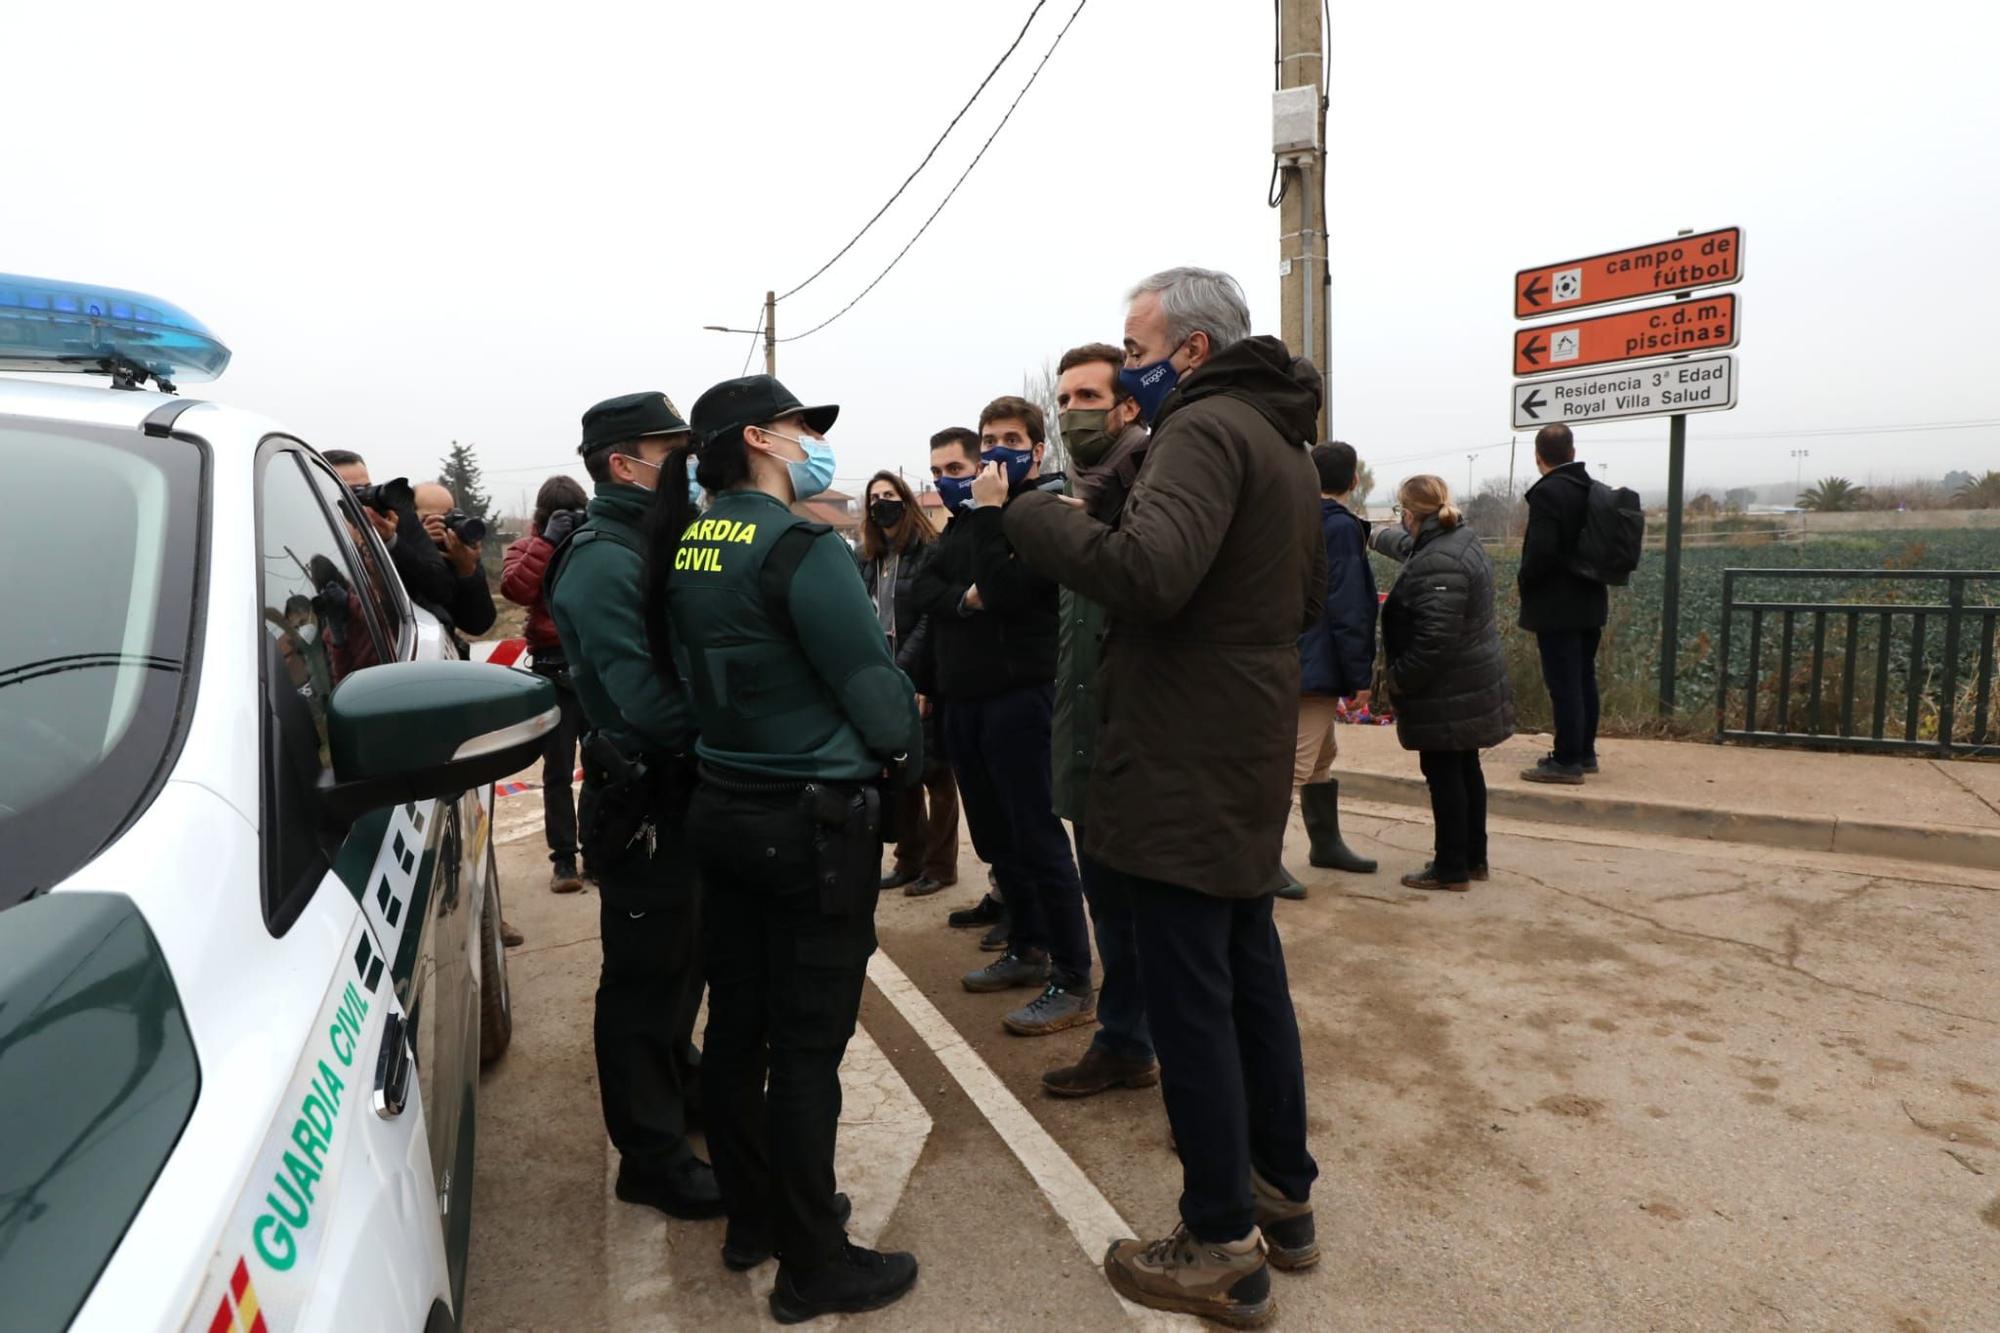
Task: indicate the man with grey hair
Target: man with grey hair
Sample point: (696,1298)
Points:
(1211,571)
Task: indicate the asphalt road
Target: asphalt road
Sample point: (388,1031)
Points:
(1630,1083)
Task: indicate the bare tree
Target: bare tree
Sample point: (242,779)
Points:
(1039,388)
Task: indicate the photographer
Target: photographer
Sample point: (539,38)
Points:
(469,608)
(559,508)
(392,508)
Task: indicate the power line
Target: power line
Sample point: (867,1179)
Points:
(1811,432)
(954,189)
(1004,57)
(752,350)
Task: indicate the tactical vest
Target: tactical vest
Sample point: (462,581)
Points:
(754,689)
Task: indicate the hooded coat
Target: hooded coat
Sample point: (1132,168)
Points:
(1215,567)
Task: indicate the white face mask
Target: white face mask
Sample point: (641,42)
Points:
(307,632)
(634,458)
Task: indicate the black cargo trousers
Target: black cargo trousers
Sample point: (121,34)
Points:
(790,875)
(648,1072)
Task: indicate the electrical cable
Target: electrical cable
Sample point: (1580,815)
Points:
(954,189)
(758,329)
(1004,56)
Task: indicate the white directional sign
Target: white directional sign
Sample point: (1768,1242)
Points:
(1697,384)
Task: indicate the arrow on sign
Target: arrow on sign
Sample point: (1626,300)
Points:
(1533,350)
(1533,404)
(1534,291)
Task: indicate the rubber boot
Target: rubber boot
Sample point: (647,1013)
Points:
(1319,806)
(1288,886)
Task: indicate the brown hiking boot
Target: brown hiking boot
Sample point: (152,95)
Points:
(1287,1226)
(1099,1072)
(1228,1283)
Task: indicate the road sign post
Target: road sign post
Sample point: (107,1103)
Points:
(1684,383)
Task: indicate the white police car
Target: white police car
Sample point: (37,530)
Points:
(249,953)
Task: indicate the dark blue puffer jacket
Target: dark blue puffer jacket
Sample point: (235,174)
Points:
(1337,655)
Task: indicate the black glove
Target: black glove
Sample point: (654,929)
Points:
(561,524)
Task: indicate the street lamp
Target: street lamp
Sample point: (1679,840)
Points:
(770,332)
(1799,470)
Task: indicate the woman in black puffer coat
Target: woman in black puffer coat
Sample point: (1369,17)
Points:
(1445,673)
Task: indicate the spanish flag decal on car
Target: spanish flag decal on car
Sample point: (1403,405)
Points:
(238,1312)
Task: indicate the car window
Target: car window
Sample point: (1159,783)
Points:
(98,560)
(317,632)
(384,595)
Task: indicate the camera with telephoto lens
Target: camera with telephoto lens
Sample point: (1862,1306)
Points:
(386,497)
(468,528)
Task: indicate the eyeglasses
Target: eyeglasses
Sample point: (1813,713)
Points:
(1396,509)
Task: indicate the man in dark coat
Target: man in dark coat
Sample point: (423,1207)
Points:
(1336,661)
(993,634)
(1564,610)
(1212,572)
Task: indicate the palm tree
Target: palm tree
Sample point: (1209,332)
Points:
(1834,495)
(1979,492)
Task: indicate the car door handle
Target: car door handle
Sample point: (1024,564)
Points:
(392,1069)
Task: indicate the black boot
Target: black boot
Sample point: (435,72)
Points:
(1287,886)
(1319,805)
(853,1280)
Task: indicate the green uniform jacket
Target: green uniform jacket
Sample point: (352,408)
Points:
(822,700)
(598,606)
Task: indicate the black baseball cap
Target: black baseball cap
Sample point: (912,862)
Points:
(752,401)
(630,416)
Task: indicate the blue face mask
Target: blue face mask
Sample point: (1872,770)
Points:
(956,492)
(1016,461)
(1150,385)
(694,492)
(816,473)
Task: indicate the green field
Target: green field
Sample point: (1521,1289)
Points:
(1628,665)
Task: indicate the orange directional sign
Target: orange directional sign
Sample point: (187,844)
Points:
(1712,259)
(1705,324)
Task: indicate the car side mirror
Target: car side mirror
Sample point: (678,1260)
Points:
(415,731)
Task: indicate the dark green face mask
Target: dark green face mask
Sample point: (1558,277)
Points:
(1084,435)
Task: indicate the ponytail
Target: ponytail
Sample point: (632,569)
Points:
(665,522)
(721,463)
(1426,495)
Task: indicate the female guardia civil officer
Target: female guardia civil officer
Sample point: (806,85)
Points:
(804,717)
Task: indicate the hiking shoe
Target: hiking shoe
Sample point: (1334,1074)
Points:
(1288,887)
(896,880)
(687,1191)
(922,887)
(1099,1071)
(745,1248)
(1590,764)
(1548,770)
(1059,1006)
(1228,1283)
(995,939)
(1010,971)
(1287,1226)
(509,936)
(982,913)
(853,1280)
(563,877)
(1427,878)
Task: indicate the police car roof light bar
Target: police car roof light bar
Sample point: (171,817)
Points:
(63,326)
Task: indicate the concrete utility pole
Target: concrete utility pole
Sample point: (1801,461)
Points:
(771,334)
(1299,141)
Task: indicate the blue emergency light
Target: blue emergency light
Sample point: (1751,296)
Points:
(63,326)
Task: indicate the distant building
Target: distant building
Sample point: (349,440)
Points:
(837,509)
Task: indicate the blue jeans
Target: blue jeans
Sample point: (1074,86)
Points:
(1121,994)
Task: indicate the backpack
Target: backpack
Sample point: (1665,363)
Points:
(1614,533)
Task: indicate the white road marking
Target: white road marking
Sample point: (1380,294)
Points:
(1082,1207)
(883,1128)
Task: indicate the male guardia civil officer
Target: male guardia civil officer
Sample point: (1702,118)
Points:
(638,755)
